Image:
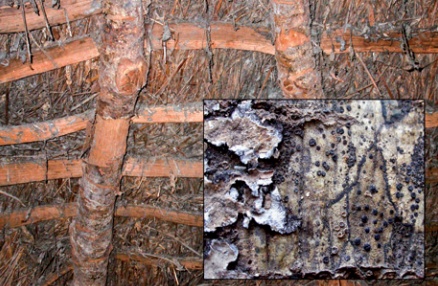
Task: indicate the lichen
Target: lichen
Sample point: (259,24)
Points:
(243,134)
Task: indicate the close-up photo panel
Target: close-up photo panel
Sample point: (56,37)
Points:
(219,142)
(314,188)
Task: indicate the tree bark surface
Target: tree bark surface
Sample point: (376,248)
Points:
(294,51)
(122,73)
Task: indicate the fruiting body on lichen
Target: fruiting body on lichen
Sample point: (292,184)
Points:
(367,247)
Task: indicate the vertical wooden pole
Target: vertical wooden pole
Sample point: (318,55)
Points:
(122,74)
(293,49)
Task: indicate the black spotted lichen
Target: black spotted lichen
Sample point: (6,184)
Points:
(306,189)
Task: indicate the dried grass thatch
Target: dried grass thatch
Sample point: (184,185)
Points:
(157,252)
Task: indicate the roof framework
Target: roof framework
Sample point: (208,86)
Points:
(123,71)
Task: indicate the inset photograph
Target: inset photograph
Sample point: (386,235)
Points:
(313,189)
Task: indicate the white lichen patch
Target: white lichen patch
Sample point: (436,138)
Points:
(220,254)
(219,213)
(244,135)
(223,209)
(275,216)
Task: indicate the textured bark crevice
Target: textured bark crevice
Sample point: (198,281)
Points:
(121,75)
(294,51)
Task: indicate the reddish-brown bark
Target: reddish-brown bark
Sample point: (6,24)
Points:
(26,172)
(431,120)
(40,131)
(122,73)
(188,36)
(11,21)
(293,50)
(65,211)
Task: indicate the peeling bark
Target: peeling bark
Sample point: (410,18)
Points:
(294,51)
(122,73)
(341,197)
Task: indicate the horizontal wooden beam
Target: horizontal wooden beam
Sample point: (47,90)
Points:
(50,212)
(70,53)
(162,168)
(339,42)
(431,120)
(32,132)
(188,36)
(161,214)
(46,130)
(20,173)
(191,112)
(37,214)
(11,20)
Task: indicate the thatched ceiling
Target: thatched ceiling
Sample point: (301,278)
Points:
(216,49)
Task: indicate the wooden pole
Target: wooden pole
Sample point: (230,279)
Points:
(122,74)
(40,131)
(294,51)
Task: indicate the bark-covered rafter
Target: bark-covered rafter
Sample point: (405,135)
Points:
(11,21)
(26,172)
(188,36)
(122,74)
(64,211)
(431,120)
(32,132)
(293,49)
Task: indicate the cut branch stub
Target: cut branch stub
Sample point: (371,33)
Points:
(130,75)
(293,50)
